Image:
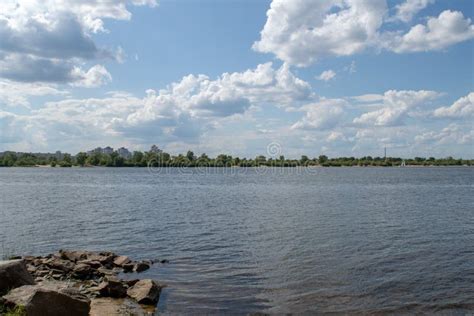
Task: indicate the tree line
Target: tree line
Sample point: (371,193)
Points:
(162,159)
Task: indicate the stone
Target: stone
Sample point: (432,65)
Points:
(112,288)
(105,258)
(128,267)
(52,299)
(82,271)
(141,266)
(115,307)
(93,264)
(121,260)
(13,274)
(165,261)
(61,265)
(73,256)
(145,292)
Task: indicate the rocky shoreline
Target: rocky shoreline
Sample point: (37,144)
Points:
(76,282)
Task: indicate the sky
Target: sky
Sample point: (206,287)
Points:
(240,77)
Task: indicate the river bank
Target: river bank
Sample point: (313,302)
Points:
(77,283)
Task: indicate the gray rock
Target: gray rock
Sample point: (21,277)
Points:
(112,288)
(82,271)
(145,292)
(52,299)
(13,274)
(141,266)
(121,260)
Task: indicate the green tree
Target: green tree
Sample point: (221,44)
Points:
(322,159)
(81,158)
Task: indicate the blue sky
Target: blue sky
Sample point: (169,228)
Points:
(339,77)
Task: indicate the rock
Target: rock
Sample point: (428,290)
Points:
(164,261)
(145,292)
(105,258)
(61,265)
(112,288)
(82,271)
(115,307)
(52,299)
(13,274)
(128,267)
(121,260)
(141,266)
(93,264)
(73,256)
(131,283)
(105,271)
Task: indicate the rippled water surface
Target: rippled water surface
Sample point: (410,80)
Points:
(355,240)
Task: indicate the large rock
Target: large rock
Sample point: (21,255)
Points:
(145,292)
(13,274)
(141,266)
(121,260)
(112,288)
(51,299)
(73,256)
(115,307)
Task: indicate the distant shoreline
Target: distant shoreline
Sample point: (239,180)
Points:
(242,167)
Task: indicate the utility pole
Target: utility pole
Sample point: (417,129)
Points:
(385,153)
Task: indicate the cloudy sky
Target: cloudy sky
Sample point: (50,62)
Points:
(334,77)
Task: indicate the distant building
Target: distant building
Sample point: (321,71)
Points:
(59,155)
(97,150)
(124,153)
(155,149)
(108,150)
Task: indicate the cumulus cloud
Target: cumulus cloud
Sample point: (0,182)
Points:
(395,106)
(449,28)
(184,110)
(408,9)
(42,41)
(301,32)
(94,77)
(449,135)
(304,31)
(16,93)
(324,114)
(327,75)
(462,108)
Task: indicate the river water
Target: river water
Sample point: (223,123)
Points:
(343,240)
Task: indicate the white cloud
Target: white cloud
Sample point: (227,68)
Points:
(449,28)
(42,41)
(395,106)
(449,135)
(301,32)
(183,111)
(324,114)
(327,75)
(462,108)
(94,77)
(13,94)
(408,9)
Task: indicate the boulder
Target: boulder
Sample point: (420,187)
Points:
(60,265)
(93,264)
(13,274)
(73,256)
(121,260)
(141,266)
(112,288)
(115,307)
(145,292)
(128,267)
(82,271)
(52,299)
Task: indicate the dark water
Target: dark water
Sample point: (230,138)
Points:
(344,240)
